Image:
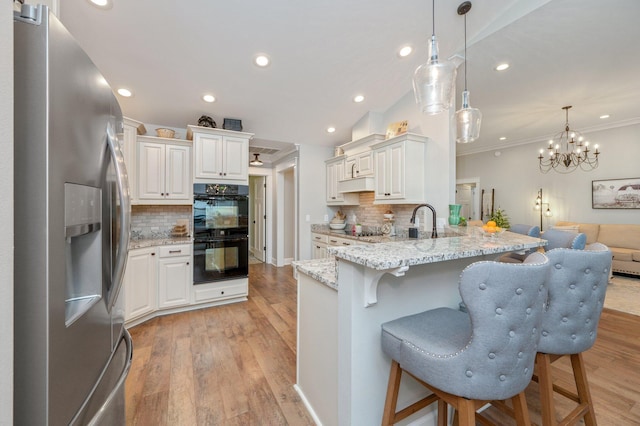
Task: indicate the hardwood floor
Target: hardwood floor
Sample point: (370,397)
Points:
(613,372)
(227,365)
(235,364)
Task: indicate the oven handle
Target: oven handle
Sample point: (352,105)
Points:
(220,240)
(219,197)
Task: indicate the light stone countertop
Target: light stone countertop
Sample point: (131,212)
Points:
(406,253)
(322,270)
(153,242)
(390,255)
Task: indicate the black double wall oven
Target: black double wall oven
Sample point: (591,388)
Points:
(221,232)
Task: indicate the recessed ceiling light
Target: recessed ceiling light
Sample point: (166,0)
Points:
(604,116)
(358,98)
(503,138)
(502,67)
(125,92)
(261,60)
(102,4)
(209,98)
(331,129)
(405,51)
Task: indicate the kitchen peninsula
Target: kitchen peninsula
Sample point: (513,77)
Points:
(342,372)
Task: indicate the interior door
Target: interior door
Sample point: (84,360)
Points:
(259,218)
(464,197)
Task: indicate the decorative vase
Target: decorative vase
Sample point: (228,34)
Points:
(454,214)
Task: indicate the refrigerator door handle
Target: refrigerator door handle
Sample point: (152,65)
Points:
(122,183)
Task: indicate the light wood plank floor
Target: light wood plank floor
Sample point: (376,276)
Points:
(235,364)
(228,365)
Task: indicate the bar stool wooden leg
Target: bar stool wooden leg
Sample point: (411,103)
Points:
(466,412)
(584,395)
(543,364)
(521,410)
(443,413)
(395,374)
(584,409)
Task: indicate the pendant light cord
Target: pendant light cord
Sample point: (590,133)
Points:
(465,52)
(433,17)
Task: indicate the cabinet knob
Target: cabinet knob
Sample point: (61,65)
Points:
(224,174)
(222,292)
(220,173)
(187,263)
(153,254)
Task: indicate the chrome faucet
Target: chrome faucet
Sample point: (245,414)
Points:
(434,233)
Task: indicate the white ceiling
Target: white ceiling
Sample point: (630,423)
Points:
(169,53)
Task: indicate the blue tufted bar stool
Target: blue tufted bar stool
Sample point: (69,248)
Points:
(576,286)
(528,230)
(467,359)
(564,239)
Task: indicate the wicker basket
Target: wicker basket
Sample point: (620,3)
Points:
(165,133)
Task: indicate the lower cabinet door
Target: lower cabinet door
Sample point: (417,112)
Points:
(140,285)
(174,282)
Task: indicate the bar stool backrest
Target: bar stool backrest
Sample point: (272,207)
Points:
(531,231)
(564,239)
(505,303)
(576,286)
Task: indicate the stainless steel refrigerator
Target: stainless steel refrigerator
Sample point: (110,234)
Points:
(72,224)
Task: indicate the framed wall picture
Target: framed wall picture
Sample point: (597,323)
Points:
(615,194)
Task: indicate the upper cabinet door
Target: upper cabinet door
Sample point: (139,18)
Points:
(220,155)
(208,156)
(236,158)
(150,170)
(178,173)
(163,172)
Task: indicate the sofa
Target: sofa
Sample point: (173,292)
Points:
(622,240)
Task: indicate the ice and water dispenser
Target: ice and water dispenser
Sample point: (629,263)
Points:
(83,249)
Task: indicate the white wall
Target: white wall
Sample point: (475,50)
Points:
(516,178)
(440,167)
(289,214)
(311,193)
(6,214)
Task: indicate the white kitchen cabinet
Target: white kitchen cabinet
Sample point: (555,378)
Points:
(129,139)
(359,165)
(220,155)
(400,170)
(140,284)
(335,172)
(334,241)
(163,171)
(221,291)
(319,246)
(174,276)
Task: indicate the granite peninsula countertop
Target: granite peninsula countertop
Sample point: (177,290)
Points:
(406,253)
(322,270)
(153,242)
(410,252)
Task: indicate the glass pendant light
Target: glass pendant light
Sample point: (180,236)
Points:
(468,119)
(433,81)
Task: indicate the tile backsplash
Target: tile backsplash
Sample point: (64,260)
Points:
(157,221)
(371,215)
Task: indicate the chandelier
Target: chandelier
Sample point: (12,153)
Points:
(568,151)
(433,81)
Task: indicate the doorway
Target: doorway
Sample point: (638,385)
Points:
(468,197)
(257,218)
(287,212)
